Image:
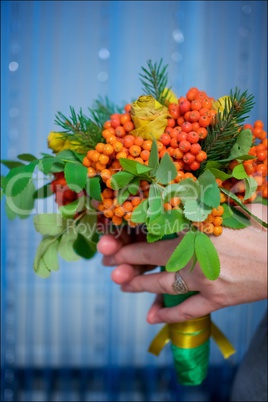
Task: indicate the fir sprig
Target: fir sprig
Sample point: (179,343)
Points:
(154,80)
(86,130)
(222,135)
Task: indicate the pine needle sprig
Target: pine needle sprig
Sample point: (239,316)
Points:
(86,130)
(222,135)
(154,80)
(102,109)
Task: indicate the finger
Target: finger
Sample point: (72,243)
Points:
(159,283)
(157,305)
(125,272)
(194,307)
(109,245)
(144,253)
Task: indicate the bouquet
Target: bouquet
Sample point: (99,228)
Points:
(162,163)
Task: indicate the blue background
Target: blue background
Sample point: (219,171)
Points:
(75,336)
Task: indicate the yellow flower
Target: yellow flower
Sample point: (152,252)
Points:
(171,97)
(55,141)
(219,104)
(149,117)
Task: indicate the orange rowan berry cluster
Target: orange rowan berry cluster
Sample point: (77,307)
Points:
(122,213)
(213,223)
(187,128)
(256,168)
(63,194)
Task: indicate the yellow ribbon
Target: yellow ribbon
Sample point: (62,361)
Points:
(191,334)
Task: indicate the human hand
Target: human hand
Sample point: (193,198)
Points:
(243,277)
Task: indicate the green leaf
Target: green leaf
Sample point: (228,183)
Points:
(240,203)
(66,250)
(166,171)
(40,266)
(186,190)
(18,178)
(182,253)
(168,222)
(76,176)
(133,167)
(140,212)
(50,257)
(155,202)
(153,162)
(196,211)
(11,164)
(207,256)
(121,179)
(236,221)
(209,190)
(27,157)
(83,248)
(251,187)
(242,145)
(50,164)
(22,204)
(68,155)
(43,192)
(219,174)
(122,195)
(134,185)
(49,224)
(239,172)
(87,225)
(93,188)
(69,210)
(151,238)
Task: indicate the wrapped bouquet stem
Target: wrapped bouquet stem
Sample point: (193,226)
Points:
(171,165)
(190,343)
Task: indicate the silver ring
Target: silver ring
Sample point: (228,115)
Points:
(179,286)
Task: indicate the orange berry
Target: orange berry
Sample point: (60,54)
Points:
(111,139)
(167,206)
(128,126)
(128,140)
(105,174)
(108,182)
(103,159)
(99,166)
(217,221)
(136,201)
(89,153)
(119,211)
(145,154)
(139,160)
(217,211)
(201,156)
(208,228)
(147,144)
(117,146)
(108,149)
(127,107)
(125,117)
(86,162)
(108,203)
(120,131)
(107,124)
(135,150)
(128,216)
(175,201)
(91,172)
(99,147)
(121,154)
(117,220)
(108,193)
(217,231)
(128,206)
(108,213)
(138,141)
